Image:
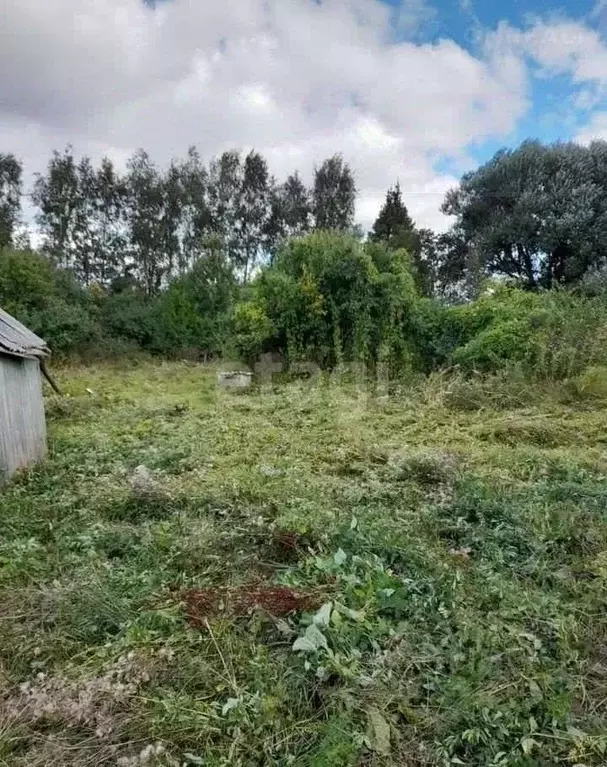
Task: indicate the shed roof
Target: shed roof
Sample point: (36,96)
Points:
(17,340)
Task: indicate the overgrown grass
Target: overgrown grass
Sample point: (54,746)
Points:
(455,534)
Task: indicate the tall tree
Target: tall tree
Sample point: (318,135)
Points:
(110,223)
(393,225)
(172,212)
(56,194)
(296,206)
(426,262)
(291,209)
(82,216)
(83,231)
(396,229)
(10,197)
(537,214)
(224,187)
(334,195)
(195,225)
(146,225)
(253,213)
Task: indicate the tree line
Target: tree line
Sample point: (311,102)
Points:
(220,256)
(150,225)
(535,215)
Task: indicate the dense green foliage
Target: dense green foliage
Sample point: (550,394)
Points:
(49,301)
(210,260)
(395,229)
(545,335)
(537,214)
(326,299)
(191,317)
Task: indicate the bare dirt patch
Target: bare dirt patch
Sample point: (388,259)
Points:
(240,602)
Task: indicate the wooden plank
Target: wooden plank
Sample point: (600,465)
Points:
(22,422)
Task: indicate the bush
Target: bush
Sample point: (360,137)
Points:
(68,329)
(193,313)
(325,300)
(130,315)
(551,335)
(502,342)
(27,281)
(49,301)
(252,331)
(334,279)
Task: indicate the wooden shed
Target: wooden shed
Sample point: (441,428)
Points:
(22,422)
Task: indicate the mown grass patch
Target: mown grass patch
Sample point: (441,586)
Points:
(453,560)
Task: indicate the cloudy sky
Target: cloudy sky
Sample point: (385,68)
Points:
(415,90)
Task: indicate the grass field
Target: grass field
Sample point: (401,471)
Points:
(314,574)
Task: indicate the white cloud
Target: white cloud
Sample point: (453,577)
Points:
(410,15)
(563,47)
(595,129)
(569,48)
(296,79)
(587,98)
(557,47)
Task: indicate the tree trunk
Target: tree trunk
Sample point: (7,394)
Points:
(549,273)
(528,266)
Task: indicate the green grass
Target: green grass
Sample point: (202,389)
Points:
(459,551)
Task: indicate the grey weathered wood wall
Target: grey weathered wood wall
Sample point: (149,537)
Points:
(22,421)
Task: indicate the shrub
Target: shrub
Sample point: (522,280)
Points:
(69,329)
(49,301)
(131,316)
(252,331)
(328,299)
(296,310)
(26,281)
(550,335)
(502,342)
(335,277)
(193,313)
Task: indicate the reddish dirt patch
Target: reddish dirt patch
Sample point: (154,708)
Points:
(240,602)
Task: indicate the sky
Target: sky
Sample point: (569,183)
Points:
(417,91)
